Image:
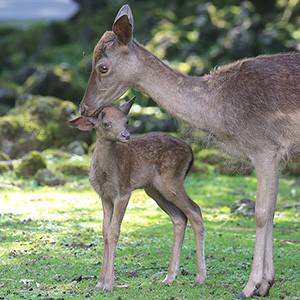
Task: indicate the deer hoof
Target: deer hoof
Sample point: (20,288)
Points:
(241,296)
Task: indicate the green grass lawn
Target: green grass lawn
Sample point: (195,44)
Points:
(51,243)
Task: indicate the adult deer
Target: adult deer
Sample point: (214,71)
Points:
(250,107)
(156,162)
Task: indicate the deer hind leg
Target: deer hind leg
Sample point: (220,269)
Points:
(175,193)
(262,273)
(179,221)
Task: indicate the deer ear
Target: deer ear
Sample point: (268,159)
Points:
(125,108)
(82,123)
(123,25)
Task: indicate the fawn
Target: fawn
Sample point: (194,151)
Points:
(158,163)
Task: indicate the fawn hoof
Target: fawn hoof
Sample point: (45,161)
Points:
(256,294)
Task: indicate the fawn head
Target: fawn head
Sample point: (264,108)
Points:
(110,124)
(112,66)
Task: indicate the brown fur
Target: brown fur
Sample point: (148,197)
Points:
(250,108)
(106,40)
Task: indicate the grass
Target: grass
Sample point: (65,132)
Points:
(51,243)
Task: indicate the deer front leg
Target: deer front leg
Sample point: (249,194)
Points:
(179,221)
(119,208)
(107,216)
(262,273)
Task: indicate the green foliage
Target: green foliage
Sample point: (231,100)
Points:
(3,168)
(4,156)
(31,163)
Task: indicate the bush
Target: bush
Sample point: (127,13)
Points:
(31,163)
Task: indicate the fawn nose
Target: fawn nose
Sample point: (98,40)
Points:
(126,135)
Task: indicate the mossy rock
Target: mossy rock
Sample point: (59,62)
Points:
(3,168)
(31,163)
(47,177)
(37,123)
(74,168)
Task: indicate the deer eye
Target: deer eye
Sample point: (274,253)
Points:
(103,69)
(105,124)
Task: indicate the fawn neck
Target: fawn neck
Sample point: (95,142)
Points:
(184,97)
(106,150)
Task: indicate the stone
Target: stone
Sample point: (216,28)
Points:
(244,207)
(47,177)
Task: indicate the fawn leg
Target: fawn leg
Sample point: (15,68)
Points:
(262,273)
(179,221)
(176,194)
(112,236)
(107,216)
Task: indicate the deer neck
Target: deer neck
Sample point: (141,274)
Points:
(184,97)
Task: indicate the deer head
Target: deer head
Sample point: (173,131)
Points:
(112,66)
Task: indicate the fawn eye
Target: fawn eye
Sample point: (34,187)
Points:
(103,69)
(105,124)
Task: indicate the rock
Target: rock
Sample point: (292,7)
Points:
(31,163)
(22,74)
(244,207)
(47,177)
(76,147)
(74,168)
(37,123)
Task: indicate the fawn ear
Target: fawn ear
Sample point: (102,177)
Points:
(123,25)
(125,108)
(82,123)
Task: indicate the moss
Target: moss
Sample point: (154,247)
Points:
(31,163)
(3,168)
(79,169)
